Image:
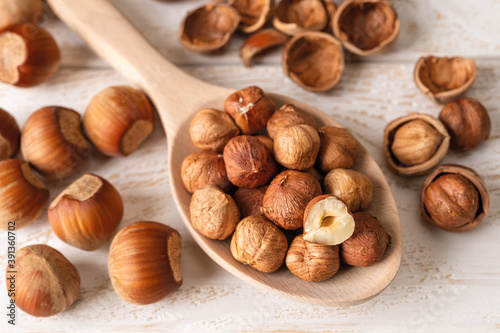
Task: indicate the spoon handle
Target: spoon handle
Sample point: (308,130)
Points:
(117,41)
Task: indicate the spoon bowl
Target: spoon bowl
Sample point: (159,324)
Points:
(177,97)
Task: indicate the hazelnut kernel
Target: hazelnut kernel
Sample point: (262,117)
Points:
(287,115)
(296,147)
(249,200)
(203,168)
(337,148)
(211,129)
(353,187)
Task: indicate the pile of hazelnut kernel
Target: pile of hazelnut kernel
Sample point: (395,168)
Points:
(89,211)
(259,189)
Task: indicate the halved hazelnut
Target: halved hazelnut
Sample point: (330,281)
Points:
(9,135)
(365,26)
(254,13)
(204,168)
(295,16)
(287,115)
(29,55)
(353,187)
(259,42)
(250,109)
(444,79)
(454,198)
(208,28)
(327,221)
(414,144)
(296,147)
(211,129)
(248,162)
(86,213)
(338,148)
(249,200)
(287,196)
(314,60)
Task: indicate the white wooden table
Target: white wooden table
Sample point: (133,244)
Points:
(447,282)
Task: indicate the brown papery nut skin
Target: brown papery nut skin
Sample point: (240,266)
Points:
(23,196)
(213,213)
(53,143)
(203,168)
(254,14)
(118,120)
(452,202)
(296,147)
(313,60)
(259,243)
(267,141)
(250,109)
(87,213)
(10,135)
(19,11)
(29,55)
(208,28)
(260,42)
(353,187)
(144,262)
(415,142)
(288,115)
(46,283)
(249,200)
(467,121)
(312,262)
(337,149)
(287,196)
(211,129)
(248,162)
(367,244)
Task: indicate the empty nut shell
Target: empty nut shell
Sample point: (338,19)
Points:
(287,115)
(9,136)
(454,198)
(365,26)
(295,16)
(260,42)
(314,61)
(253,13)
(211,129)
(442,80)
(208,28)
(415,144)
(204,168)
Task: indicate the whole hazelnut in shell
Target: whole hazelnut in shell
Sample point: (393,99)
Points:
(287,115)
(44,282)
(467,121)
(312,262)
(20,11)
(367,244)
(203,168)
(296,147)
(213,213)
(211,129)
(248,162)
(250,109)
(249,200)
(144,262)
(9,135)
(260,244)
(337,148)
(353,187)
(287,196)
(454,198)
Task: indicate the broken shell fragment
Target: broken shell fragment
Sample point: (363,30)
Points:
(259,42)
(295,16)
(254,13)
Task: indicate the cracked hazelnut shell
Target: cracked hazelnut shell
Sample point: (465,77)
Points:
(29,55)
(467,122)
(46,282)
(353,187)
(211,129)
(295,16)
(253,13)
(338,148)
(204,168)
(250,108)
(20,11)
(209,28)
(10,135)
(296,147)
(365,26)
(314,60)
(287,196)
(420,140)
(249,200)
(288,115)
(443,79)
(260,42)
(53,143)
(312,262)
(248,162)
(454,198)
(260,244)
(144,262)
(367,244)
(213,213)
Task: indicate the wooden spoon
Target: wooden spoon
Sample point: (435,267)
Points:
(178,97)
